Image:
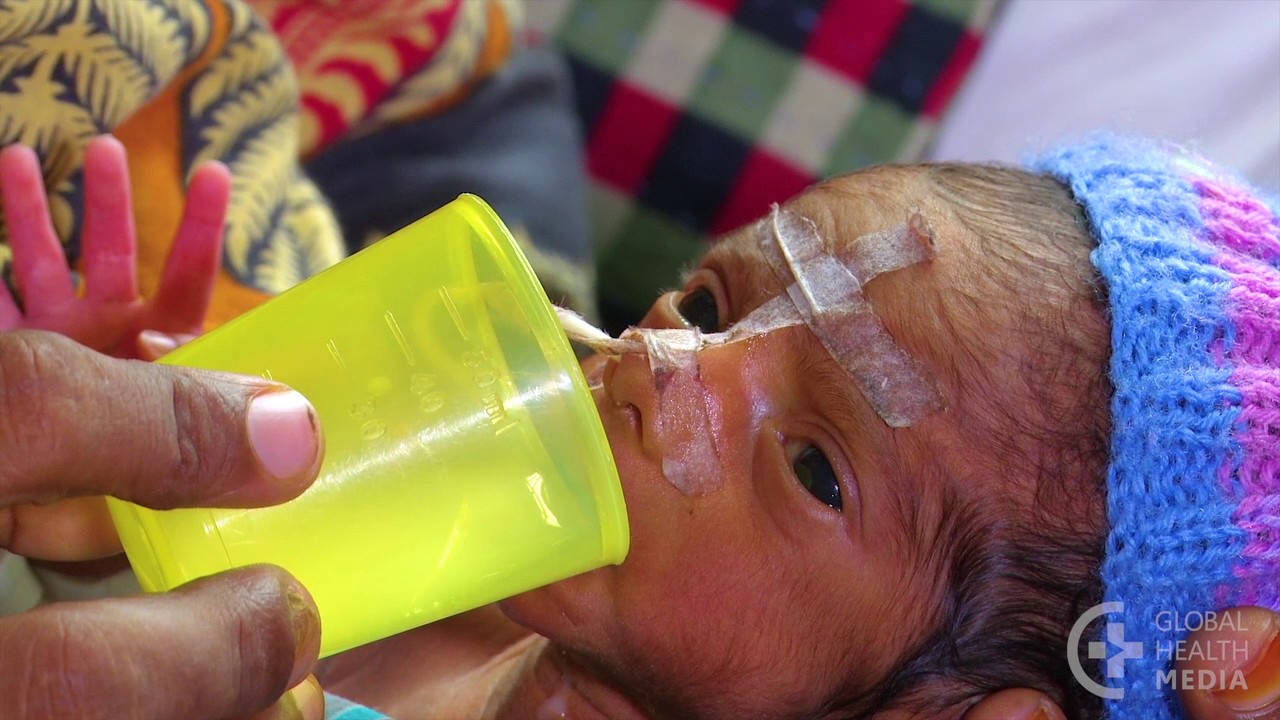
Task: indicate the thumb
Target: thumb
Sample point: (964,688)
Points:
(1242,654)
(1014,704)
(223,646)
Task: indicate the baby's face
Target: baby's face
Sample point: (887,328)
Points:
(819,555)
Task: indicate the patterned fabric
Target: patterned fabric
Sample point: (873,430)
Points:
(515,142)
(366,64)
(177,82)
(180,82)
(337,708)
(700,113)
(1191,257)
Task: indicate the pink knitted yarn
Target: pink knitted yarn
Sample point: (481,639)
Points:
(1246,229)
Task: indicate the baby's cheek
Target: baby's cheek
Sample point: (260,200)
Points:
(729,640)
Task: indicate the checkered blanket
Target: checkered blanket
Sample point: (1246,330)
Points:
(700,113)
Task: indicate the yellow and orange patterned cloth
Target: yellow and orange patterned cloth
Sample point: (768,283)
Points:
(259,85)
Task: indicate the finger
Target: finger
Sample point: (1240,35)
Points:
(256,634)
(189,274)
(10,315)
(11,174)
(1232,671)
(74,529)
(73,421)
(303,702)
(1015,704)
(39,262)
(110,251)
(153,345)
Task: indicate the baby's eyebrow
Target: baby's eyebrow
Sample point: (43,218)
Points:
(744,267)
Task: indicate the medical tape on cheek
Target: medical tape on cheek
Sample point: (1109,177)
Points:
(691,457)
(691,454)
(682,419)
(682,422)
(828,294)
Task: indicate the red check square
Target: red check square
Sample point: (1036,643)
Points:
(629,136)
(852,35)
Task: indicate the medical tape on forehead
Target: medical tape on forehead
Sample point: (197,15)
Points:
(828,294)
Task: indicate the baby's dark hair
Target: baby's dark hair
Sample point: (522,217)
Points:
(1016,582)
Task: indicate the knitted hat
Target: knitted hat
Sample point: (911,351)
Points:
(1191,258)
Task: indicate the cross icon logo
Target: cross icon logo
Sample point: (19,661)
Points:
(1097,650)
(1130,650)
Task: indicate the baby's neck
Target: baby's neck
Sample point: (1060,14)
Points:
(548,684)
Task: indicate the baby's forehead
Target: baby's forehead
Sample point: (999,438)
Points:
(842,210)
(825,283)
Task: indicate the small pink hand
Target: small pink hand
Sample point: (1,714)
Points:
(110,314)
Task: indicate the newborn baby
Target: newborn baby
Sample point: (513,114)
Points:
(839,562)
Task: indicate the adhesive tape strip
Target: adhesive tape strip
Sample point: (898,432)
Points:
(829,296)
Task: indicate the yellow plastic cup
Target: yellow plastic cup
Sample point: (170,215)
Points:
(465,461)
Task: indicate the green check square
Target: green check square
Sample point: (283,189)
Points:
(742,83)
(645,257)
(606,32)
(607,210)
(876,135)
(957,10)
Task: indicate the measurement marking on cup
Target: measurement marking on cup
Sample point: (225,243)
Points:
(485,377)
(399,336)
(371,428)
(453,312)
(430,397)
(337,356)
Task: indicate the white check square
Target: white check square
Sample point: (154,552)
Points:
(675,49)
(812,113)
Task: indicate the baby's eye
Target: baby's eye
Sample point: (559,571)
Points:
(698,307)
(818,477)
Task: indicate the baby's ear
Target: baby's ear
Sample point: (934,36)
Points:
(1015,704)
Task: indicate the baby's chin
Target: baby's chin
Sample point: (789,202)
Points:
(565,611)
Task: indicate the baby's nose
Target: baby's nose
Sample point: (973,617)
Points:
(629,382)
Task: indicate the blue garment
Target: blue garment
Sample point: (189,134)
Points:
(1191,260)
(336,708)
